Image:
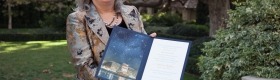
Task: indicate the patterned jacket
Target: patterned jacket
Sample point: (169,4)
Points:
(87,37)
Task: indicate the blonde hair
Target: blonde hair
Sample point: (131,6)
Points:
(83,5)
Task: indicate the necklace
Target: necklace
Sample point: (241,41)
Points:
(111,25)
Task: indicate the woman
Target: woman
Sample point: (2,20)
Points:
(89,27)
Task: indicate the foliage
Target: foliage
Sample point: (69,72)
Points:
(29,14)
(250,45)
(31,34)
(57,17)
(54,20)
(13,3)
(192,66)
(195,52)
(188,30)
(32,37)
(157,29)
(202,13)
(197,45)
(35,14)
(24,16)
(145,17)
(176,36)
(166,19)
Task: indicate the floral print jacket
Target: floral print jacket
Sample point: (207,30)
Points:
(87,37)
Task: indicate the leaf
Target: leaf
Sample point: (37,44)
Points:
(278,60)
(46,71)
(68,75)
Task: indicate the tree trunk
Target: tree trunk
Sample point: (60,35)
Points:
(10,16)
(218,14)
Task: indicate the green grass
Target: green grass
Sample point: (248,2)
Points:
(28,61)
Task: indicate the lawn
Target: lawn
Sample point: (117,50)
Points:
(39,60)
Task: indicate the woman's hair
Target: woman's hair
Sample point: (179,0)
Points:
(83,5)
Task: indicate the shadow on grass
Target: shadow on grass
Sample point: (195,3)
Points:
(10,47)
(35,60)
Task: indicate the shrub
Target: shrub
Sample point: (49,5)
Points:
(164,19)
(192,66)
(188,30)
(145,17)
(54,21)
(197,45)
(32,37)
(195,52)
(56,18)
(250,45)
(156,29)
(31,34)
(176,36)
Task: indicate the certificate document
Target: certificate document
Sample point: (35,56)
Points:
(130,55)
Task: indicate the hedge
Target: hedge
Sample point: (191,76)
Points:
(193,30)
(32,37)
(176,36)
(192,66)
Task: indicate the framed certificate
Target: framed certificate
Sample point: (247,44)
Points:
(130,55)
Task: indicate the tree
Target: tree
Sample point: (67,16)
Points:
(217,13)
(11,3)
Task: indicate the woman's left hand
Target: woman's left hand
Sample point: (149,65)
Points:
(153,34)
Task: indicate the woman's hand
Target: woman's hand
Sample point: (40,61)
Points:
(153,34)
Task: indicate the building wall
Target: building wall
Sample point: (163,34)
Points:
(188,14)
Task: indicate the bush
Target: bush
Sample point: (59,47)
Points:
(195,52)
(163,19)
(32,37)
(197,45)
(192,66)
(56,18)
(31,34)
(145,17)
(176,36)
(250,45)
(188,30)
(157,29)
(54,21)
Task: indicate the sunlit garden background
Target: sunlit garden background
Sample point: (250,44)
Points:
(237,32)
(33,45)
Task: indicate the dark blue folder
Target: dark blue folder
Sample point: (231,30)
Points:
(126,55)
